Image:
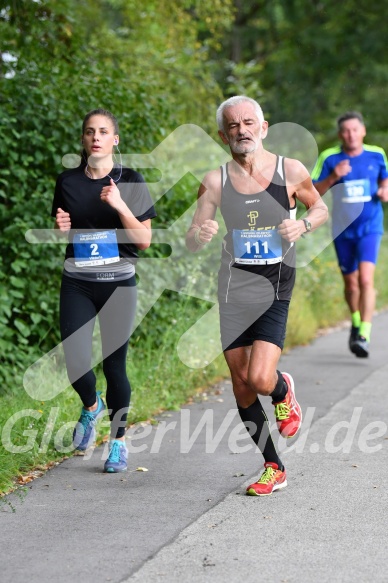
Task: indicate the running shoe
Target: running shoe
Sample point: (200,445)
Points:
(288,413)
(361,347)
(353,337)
(84,433)
(117,459)
(271,479)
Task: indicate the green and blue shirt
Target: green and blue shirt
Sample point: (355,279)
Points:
(357,210)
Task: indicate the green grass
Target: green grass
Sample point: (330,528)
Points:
(159,381)
(158,377)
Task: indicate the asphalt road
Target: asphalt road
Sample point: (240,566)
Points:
(187,518)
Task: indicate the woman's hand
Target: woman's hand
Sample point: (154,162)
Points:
(62,221)
(111,195)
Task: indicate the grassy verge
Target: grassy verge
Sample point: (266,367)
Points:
(36,434)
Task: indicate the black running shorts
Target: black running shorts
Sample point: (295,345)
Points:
(242,324)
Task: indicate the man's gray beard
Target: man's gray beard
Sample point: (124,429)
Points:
(236,149)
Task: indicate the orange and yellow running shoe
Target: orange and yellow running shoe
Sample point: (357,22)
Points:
(288,413)
(270,480)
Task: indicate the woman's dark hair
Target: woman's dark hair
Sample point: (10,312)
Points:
(103,112)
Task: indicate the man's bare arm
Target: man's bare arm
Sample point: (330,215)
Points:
(300,186)
(204,227)
(341,169)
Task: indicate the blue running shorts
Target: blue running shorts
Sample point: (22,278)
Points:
(351,252)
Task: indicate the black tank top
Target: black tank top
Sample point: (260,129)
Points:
(256,263)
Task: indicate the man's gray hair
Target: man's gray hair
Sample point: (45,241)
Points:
(235,101)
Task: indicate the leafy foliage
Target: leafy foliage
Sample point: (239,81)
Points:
(307,61)
(60,60)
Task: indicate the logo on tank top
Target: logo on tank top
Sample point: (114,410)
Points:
(252,216)
(251,201)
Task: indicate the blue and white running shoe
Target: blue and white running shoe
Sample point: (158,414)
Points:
(117,459)
(84,433)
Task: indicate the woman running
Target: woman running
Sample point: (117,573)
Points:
(106,209)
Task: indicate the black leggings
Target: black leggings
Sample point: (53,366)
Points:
(115,305)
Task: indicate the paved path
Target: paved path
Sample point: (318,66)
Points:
(187,518)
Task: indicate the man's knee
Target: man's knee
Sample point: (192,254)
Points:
(240,383)
(262,383)
(351,282)
(366,282)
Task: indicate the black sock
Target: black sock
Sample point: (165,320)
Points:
(280,391)
(256,423)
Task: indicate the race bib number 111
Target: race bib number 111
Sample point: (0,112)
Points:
(257,247)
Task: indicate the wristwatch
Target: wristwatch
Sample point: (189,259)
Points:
(307,224)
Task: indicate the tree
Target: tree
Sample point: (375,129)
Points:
(310,60)
(59,59)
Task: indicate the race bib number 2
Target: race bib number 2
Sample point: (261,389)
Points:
(257,247)
(99,248)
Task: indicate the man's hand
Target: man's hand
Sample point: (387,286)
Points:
(62,221)
(342,169)
(207,231)
(291,230)
(382,193)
